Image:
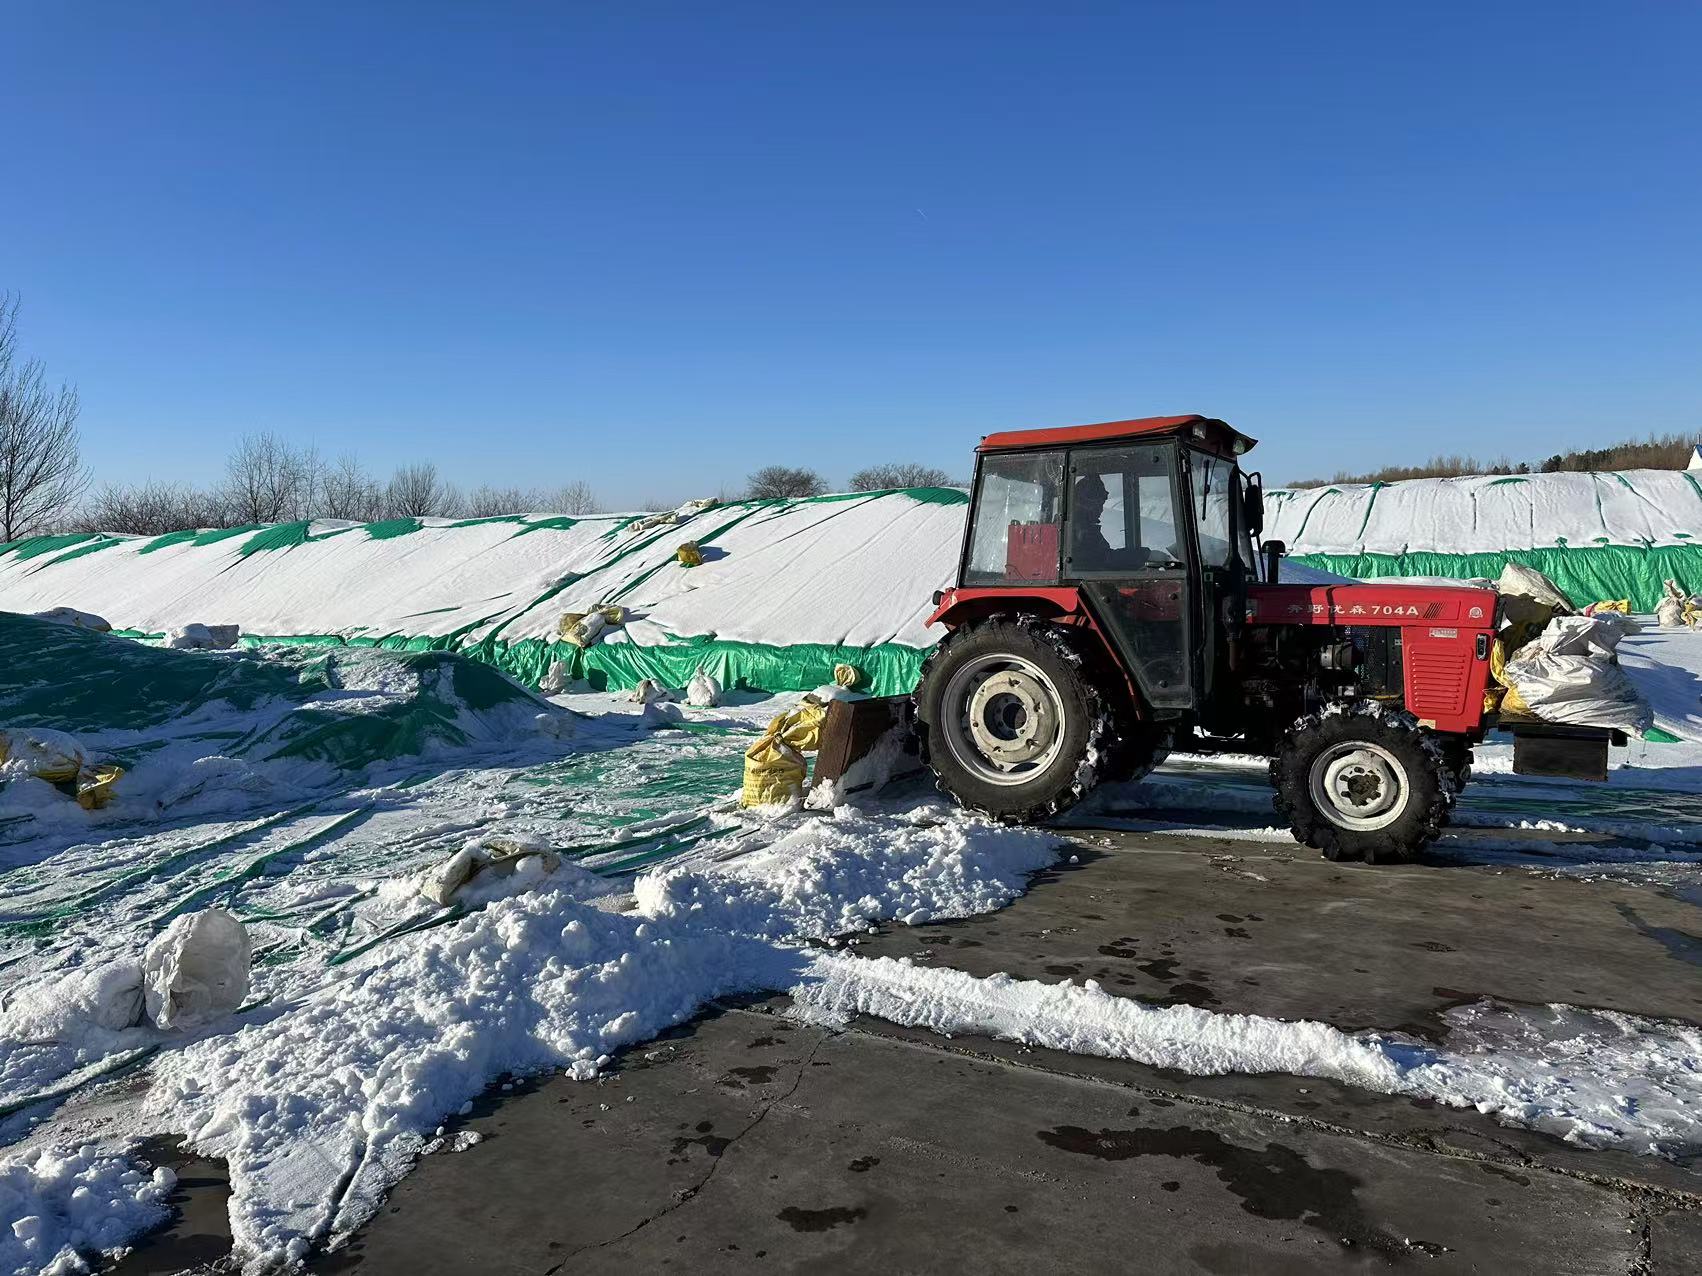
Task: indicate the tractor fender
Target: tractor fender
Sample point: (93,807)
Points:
(1061,605)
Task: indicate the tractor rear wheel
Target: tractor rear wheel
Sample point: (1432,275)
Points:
(1009,721)
(1362,782)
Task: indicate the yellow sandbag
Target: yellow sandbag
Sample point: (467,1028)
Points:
(569,619)
(1498,662)
(774,772)
(1621,605)
(612,613)
(1513,702)
(689,555)
(801,728)
(94,785)
(847,676)
(774,765)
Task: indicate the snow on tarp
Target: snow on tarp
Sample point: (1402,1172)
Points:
(787,590)
(1596,535)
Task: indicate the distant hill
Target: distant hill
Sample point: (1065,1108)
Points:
(1657,452)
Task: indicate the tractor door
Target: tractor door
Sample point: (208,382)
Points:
(1217,495)
(1128,549)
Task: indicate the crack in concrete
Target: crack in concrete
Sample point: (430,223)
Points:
(688,1194)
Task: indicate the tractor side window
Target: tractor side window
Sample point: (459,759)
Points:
(1214,487)
(1018,520)
(1123,511)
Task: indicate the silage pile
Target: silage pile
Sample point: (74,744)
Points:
(785,589)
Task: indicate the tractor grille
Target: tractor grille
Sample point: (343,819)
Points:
(1437,680)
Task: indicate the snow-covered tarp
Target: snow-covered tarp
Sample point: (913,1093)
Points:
(787,588)
(1596,535)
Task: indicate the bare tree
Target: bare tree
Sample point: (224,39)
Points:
(577,498)
(878,477)
(347,491)
(264,480)
(782,480)
(312,472)
(417,491)
(487,501)
(41,465)
(150,509)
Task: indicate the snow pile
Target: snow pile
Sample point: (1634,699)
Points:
(60,1205)
(836,875)
(1592,1077)
(321,1108)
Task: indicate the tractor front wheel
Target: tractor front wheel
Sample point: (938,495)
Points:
(1009,722)
(1363,781)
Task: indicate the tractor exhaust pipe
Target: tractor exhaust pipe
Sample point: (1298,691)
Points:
(1273,550)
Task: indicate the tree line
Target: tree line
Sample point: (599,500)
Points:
(1656,452)
(269,480)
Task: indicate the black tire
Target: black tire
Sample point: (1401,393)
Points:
(1140,749)
(1421,798)
(1457,759)
(1085,730)
(1457,755)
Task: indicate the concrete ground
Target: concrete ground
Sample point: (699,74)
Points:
(743,1141)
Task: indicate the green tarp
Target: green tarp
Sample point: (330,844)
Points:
(1587,574)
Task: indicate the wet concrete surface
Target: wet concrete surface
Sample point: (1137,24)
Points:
(745,1141)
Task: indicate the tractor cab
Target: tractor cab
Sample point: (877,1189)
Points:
(1144,529)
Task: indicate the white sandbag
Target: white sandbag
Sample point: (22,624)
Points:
(555,680)
(1669,613)
(1568,674)
(486,861)
(76,619)
(46,754)
(649,691)
(1528,582)
(583,632)
(703,691)
(196,972)
(1579,635)
(662,713)
(197,637)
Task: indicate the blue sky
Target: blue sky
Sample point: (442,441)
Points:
(653,246)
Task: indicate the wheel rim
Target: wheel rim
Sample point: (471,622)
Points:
(1359,785)
(1003,719)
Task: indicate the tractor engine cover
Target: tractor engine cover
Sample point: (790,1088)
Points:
(1445,637)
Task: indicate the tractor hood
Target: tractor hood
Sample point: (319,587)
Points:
(1371,604)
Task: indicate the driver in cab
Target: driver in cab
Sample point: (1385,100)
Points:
(1089,550)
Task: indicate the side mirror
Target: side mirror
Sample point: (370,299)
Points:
(1253,511)
(1273,552)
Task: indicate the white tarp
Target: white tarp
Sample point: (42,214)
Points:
(1489,513)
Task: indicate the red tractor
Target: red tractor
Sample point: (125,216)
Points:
(1111,602)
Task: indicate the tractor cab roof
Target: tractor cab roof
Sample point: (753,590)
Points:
(1208,432)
